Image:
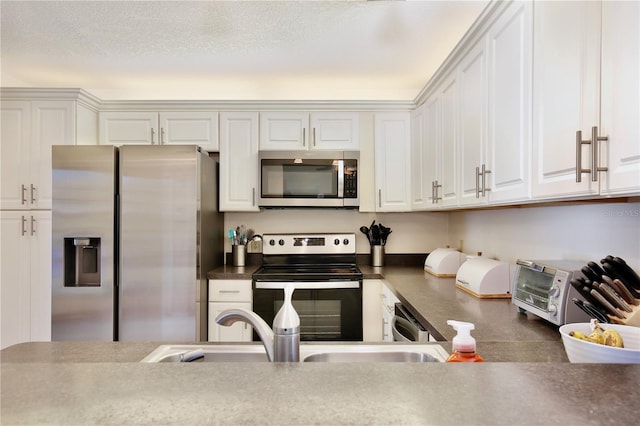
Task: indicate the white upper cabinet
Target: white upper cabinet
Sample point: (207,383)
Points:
(419,162)
(239,161)
(472,142)
(620,96)
(586,95)
(165,128)
(565,94)
(29,129)
(295,131)
(509,114)
(393,162)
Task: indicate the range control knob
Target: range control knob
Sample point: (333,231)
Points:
(345,242)
(336,242)
(554,291)
(272,242)
(281,242)
(553,310)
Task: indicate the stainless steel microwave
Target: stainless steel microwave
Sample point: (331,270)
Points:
(309,179)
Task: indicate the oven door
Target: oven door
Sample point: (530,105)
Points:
(328,310)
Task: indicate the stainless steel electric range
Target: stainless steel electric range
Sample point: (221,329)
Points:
(328,295)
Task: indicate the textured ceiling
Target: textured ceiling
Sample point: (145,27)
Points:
(259,50)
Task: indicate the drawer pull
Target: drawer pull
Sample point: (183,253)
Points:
(229,291)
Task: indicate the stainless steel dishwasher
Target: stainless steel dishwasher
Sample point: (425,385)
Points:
(406,328)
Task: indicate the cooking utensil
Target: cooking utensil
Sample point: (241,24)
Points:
(593,313)
(375,235)
(605,304)
(365,231)
(628,275)
(590,274)
(584,288)
(596,268)
(231,234)
(613,297)
(613,274)
(624,292)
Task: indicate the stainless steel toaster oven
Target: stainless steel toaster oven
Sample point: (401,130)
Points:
(542,287)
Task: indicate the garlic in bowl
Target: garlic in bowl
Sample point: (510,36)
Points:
(584,351)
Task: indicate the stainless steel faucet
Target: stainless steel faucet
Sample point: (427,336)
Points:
(282,343)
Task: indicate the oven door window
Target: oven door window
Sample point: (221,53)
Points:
(309,179)
(325,315)
(533,287)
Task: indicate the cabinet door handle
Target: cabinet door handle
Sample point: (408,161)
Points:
(229,291)
(33,190)
(477,182)
(594,153)
(380,198)
(33,226)
(579,143)
(314,136)
(253,196)
(24,194)
(436,186)
(162,135)
(153,136)
(304,136)
(24,227)
(484,183)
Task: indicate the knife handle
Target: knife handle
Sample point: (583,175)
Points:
(613,297)
(605,304)
(624,292)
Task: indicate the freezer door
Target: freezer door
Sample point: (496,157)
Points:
(158,243)
(83,233)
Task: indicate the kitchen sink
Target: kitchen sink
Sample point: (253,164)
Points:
(310,352)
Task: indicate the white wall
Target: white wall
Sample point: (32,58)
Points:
(411,232)
(573,232)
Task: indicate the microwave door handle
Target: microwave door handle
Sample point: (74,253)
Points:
(340,178)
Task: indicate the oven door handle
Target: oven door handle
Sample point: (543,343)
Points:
(307,285)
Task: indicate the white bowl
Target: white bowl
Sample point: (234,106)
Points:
(583,351)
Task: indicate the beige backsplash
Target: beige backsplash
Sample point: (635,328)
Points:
(587,231)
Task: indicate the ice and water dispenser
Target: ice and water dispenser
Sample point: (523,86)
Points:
(82,262)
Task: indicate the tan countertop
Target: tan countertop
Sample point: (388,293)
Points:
(88,383)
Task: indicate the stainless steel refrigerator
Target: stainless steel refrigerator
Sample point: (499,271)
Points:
(135,231)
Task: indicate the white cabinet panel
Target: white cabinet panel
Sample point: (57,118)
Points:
(238,161)
(229,294)
(335,131)
(393,162)
(620,109)
(472,142)
(128,128)
(15,153)
(190,128)
(29,129)
(25,277)
(509,143)
(284,131)
(565,96)
(166,128)
(322,130)
(420,197)
(238,332)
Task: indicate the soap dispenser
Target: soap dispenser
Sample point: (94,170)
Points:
(286,330)
(463,345)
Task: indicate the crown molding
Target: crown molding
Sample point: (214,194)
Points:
(93,102)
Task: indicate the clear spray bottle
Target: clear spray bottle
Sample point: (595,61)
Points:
(463,345)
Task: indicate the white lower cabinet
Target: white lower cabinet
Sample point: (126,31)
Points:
(229,294)
(389,301)
(25,277)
